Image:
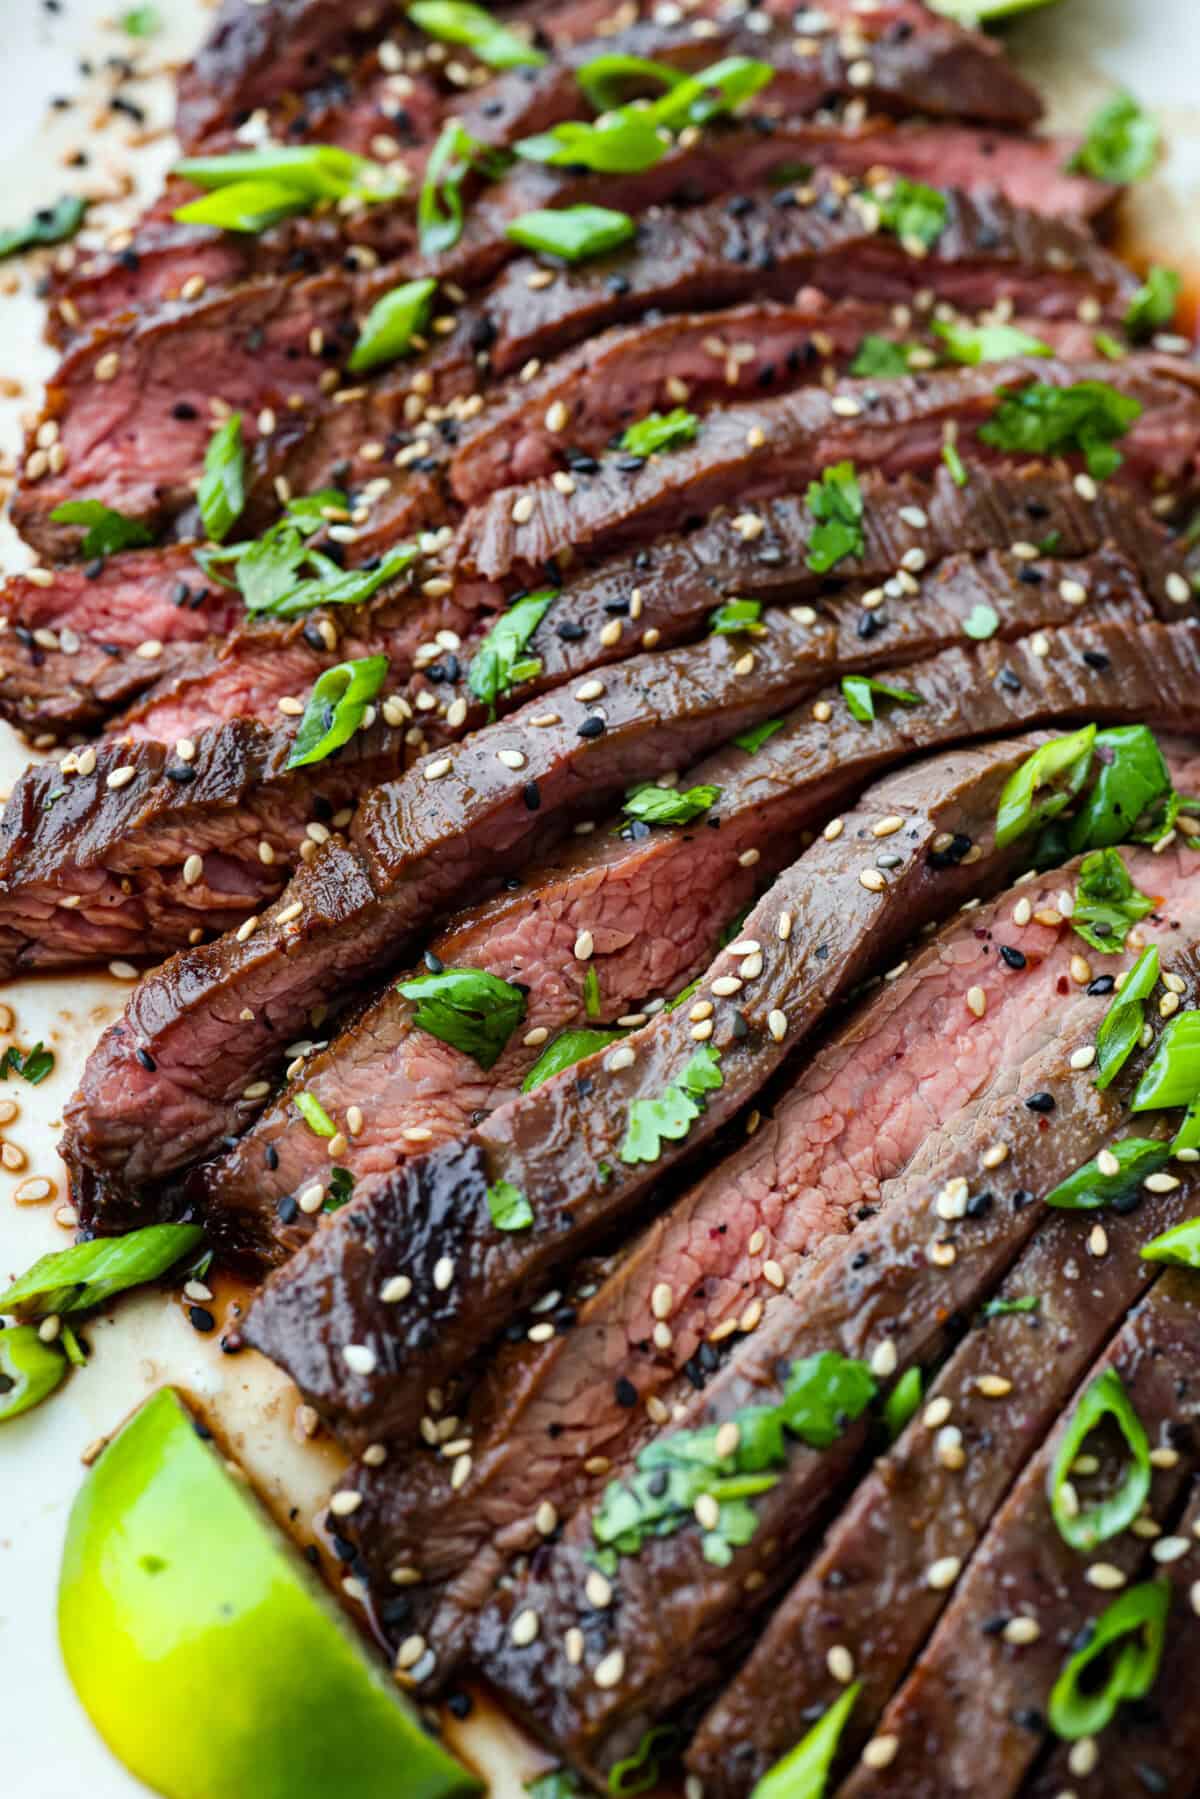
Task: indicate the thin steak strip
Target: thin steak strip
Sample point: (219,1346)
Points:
(914,1056)
(763,803)
(975,1700)
(877,1296)
(418,844)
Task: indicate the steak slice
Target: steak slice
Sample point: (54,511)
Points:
(398,1083)
(973,1701)
(558,1142)
(676,1615)
(418,844)
(910,1058)
(1155,1746)
(130,851)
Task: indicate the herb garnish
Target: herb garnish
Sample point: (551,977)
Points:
(564,1051)
(1041,420)
(1181,1245)
(391,325)
(1121,1027)
(338,1190)
(1107,904)
(336,708)
(1173,1077)
(973,344)
(29,1370)
(859,693)
(835,504)
(107,531)
(880,356)
(955,463)
(270,571)
(32,1065)
(314,1115)
(1132,799)
(1153,306)
(500,663)
(1130,1633)
(1088,1189)
(1005,1308)
(607,80)
(916,213)
(757,735)
(638,1772)
(902,1402)
(1121,143)
(249,190)
(141,21)
(459,22)
(660,431)
(49,225)
(734,618)
(471,1010)
(671,1117)
(1083,1527)
(88,1274)
(670,805)
(559,1783)
(440,209)
(221,495)
(804,1771)
(591,992)
(1044,785)
(573,232)
(821,1395)
(508,1206)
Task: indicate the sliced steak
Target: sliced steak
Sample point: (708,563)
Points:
(772,447)
(675,1615)
(553,1142)
(398,1083)
(418,844)
(131,851)
(911,1058)
(973,1700)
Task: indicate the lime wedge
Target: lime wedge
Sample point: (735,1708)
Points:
(986,12)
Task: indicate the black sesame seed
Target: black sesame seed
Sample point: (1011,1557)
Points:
(593,726)
(271,1156)
(531,794)
(1013,958)
(1040,1102)
(200,1318)
(287,1210)
(626,1393)
(146,1059)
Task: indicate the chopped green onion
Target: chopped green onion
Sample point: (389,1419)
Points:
(915,212)
(1088,1189)
(221,495)
(508,1206)
(572,232)
(341,1186)
(606,80)
(1130,799)
(1083,1527)
(566,1049)
(87,1274)
(1041,420)
(804,1771)
(1044,785)
(107,531)
(500,661)
(734,618)
(391,325)
(1110,347)
(902,1402)
(1121,143)
(32,1065)
(880,356)
(859,693)
(973,344)
(757,735)
(670,805)
(440,209)
(49,225)
(1004,1308)
(315,1116)
(458,22)
(29,1370)
(671,1116)
(721,88)
(72,1347)
(591,992)
(1130,1636)
(1153,306)
(311,511)
(624,144)
(981,622)
(1180,1245)
(660,431)
(835,505)
(141,21)
(954,462)
(316,171)
(247,206)
(638,1772)
(473,1011)
(336,708)
(1107,904)
(1173,1077)
(1121,1027)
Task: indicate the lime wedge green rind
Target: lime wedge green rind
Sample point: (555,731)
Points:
(205,1652)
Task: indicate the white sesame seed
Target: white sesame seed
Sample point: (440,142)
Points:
(410,1652)
(728,1437)
(120,777)
(591,690)
(1098,1242)
(598,1590)
(840,1663)
(777,1024)
(884,1359)
(342,1504)
(524,1629)
(1161,1183)
(434,771)
(976,1001)
(522,510)
(1164,1457)
(1170,1549)
(1021,1631)
(1178,590)
(584,946)
(833,829)
(994,1156)
(936,1412)
(994,1386)
(844,406)
(123,971)
(443,1273)
(944,1572)
(573,1646)
(881,1752)
(1084,1057)
(193,868)
(311,1199)
(872,880)
(611,1671)
(1106,1576)
(360,1358)
(398,1287)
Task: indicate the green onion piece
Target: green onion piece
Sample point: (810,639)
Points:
(981,622)
(902,1402)
(87,1274)
(573,232)
(804,1771)
(1110,347)
(310,511)
(1004,1308)
(913,211)
(1041,420)
(336,708)
(956,465)
(642,1770)
(670,805)
(334,586)
(859,693)
(29,1370)
(222,491)
(1129,1636)
(339,1189)
(440,209)
(670,1117)
(591,992)
(141,21)
(107,531)
(500,661)
(607,81)
(1153,306)
(1188,1134)
(508,1206)
(49,225)
(1083,1527)
(835,505)
(72,1348)
(566,1049)
(315,171)
(660,431)
(626,143)
(314,1115)
(1121,143)
(973,344)
(559,1783)
(1121,1027)
(458,22)
(248,206)
(1173,1077)
(1107,904)
(734,618)
(1180,1245)
(471,1010)
(1087,1189)
(880,356)
(1130,799)
(391,325)
(32,1065)
(721,88)
(757,735)
(1044,785)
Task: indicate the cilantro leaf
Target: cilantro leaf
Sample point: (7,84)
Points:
(500,661)
(835,504)
(468,1008)
(49,225)
(660,431)
(859,692)
(1121,143)
(1041,420)
(107,531)
(1107,904)
(670,805)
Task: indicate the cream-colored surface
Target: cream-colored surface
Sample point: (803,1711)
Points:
(47,1748)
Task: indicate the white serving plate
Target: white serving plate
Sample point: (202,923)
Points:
(1077,51)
